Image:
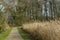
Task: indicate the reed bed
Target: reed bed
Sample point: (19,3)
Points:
(43,30)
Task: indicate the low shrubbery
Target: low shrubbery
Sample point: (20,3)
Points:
(4,27)
(43,30)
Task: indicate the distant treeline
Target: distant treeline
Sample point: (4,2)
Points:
(21,11)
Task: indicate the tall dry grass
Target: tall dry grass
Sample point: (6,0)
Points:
(43,30)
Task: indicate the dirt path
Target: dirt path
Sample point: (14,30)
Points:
(14,35)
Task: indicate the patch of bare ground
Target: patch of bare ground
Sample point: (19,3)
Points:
(14,35)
